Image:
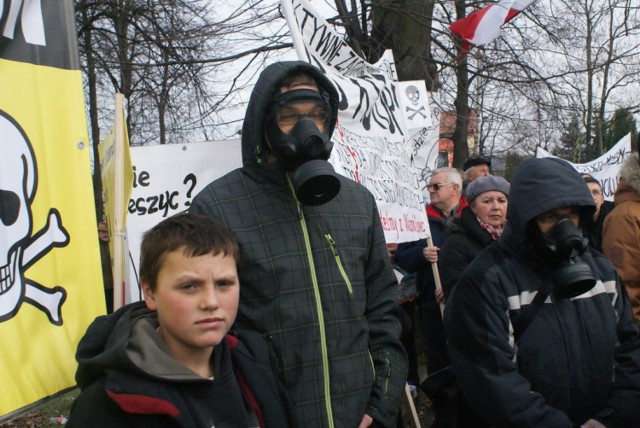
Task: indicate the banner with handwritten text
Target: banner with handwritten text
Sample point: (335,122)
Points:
(165,179)
(385,136)
(605,169)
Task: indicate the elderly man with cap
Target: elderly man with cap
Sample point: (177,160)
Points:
(474,167)
(417,257)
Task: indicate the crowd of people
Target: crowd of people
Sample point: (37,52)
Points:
(273,302)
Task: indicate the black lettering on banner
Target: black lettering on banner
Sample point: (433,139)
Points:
(378,102)
(609,186)
(164,202)
(141,178)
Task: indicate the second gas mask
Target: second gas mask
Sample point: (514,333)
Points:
(559,247)
(304,148)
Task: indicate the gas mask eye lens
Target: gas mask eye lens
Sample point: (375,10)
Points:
(288,119)
(319,117)
(289,116)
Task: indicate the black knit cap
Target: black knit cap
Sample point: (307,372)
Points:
(475,161)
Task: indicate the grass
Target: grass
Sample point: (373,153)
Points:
(44,413)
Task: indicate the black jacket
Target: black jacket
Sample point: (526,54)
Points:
(128,379)
(465,239)
(579,358)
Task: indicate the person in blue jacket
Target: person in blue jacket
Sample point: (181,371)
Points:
(539,327)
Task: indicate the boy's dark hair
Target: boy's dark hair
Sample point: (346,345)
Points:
(195,234)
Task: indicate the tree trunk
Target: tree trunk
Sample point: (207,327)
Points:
(461,131)
(405,27)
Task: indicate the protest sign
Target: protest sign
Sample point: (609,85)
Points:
(165,179)
(386,132)
(605,169)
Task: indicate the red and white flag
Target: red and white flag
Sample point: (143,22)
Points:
(483,26)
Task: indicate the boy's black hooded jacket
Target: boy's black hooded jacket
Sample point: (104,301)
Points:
(578,359)
(128,379)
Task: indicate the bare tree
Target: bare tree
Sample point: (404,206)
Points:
(167,58)
(558,58)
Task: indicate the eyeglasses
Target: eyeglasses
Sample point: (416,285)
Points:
(437,186)
(291,118)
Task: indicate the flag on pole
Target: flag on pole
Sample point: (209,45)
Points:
(483,26)
(50,272)
(117,181)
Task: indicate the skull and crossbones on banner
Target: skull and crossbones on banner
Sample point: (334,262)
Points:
(414,102)
(19,247)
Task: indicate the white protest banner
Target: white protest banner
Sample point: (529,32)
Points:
(379,141)
(605,169)
(166,178)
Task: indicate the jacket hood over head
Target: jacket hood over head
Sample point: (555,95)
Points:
(253,132)
(540,185)
(126,340)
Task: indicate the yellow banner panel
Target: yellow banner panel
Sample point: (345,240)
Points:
(50,272)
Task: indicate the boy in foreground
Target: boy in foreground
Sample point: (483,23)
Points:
(168,361)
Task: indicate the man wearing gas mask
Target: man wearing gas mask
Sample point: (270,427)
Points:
(315,274)
(540,330)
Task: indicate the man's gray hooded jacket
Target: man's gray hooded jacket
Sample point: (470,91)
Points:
(317,280)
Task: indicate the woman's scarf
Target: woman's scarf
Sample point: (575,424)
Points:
(495,232)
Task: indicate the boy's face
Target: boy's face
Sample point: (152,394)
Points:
(196,299)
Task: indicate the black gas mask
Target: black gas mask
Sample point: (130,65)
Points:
(560,246)
(306,146)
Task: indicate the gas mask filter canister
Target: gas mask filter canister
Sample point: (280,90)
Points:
(560,246)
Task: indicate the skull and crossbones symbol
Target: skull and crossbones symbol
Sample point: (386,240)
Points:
(19,248)
(413,94)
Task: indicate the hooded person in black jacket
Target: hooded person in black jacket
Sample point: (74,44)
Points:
(540,330)
(168,361)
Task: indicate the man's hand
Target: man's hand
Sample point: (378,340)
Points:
(431,254)
(366,421)
(439,295)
